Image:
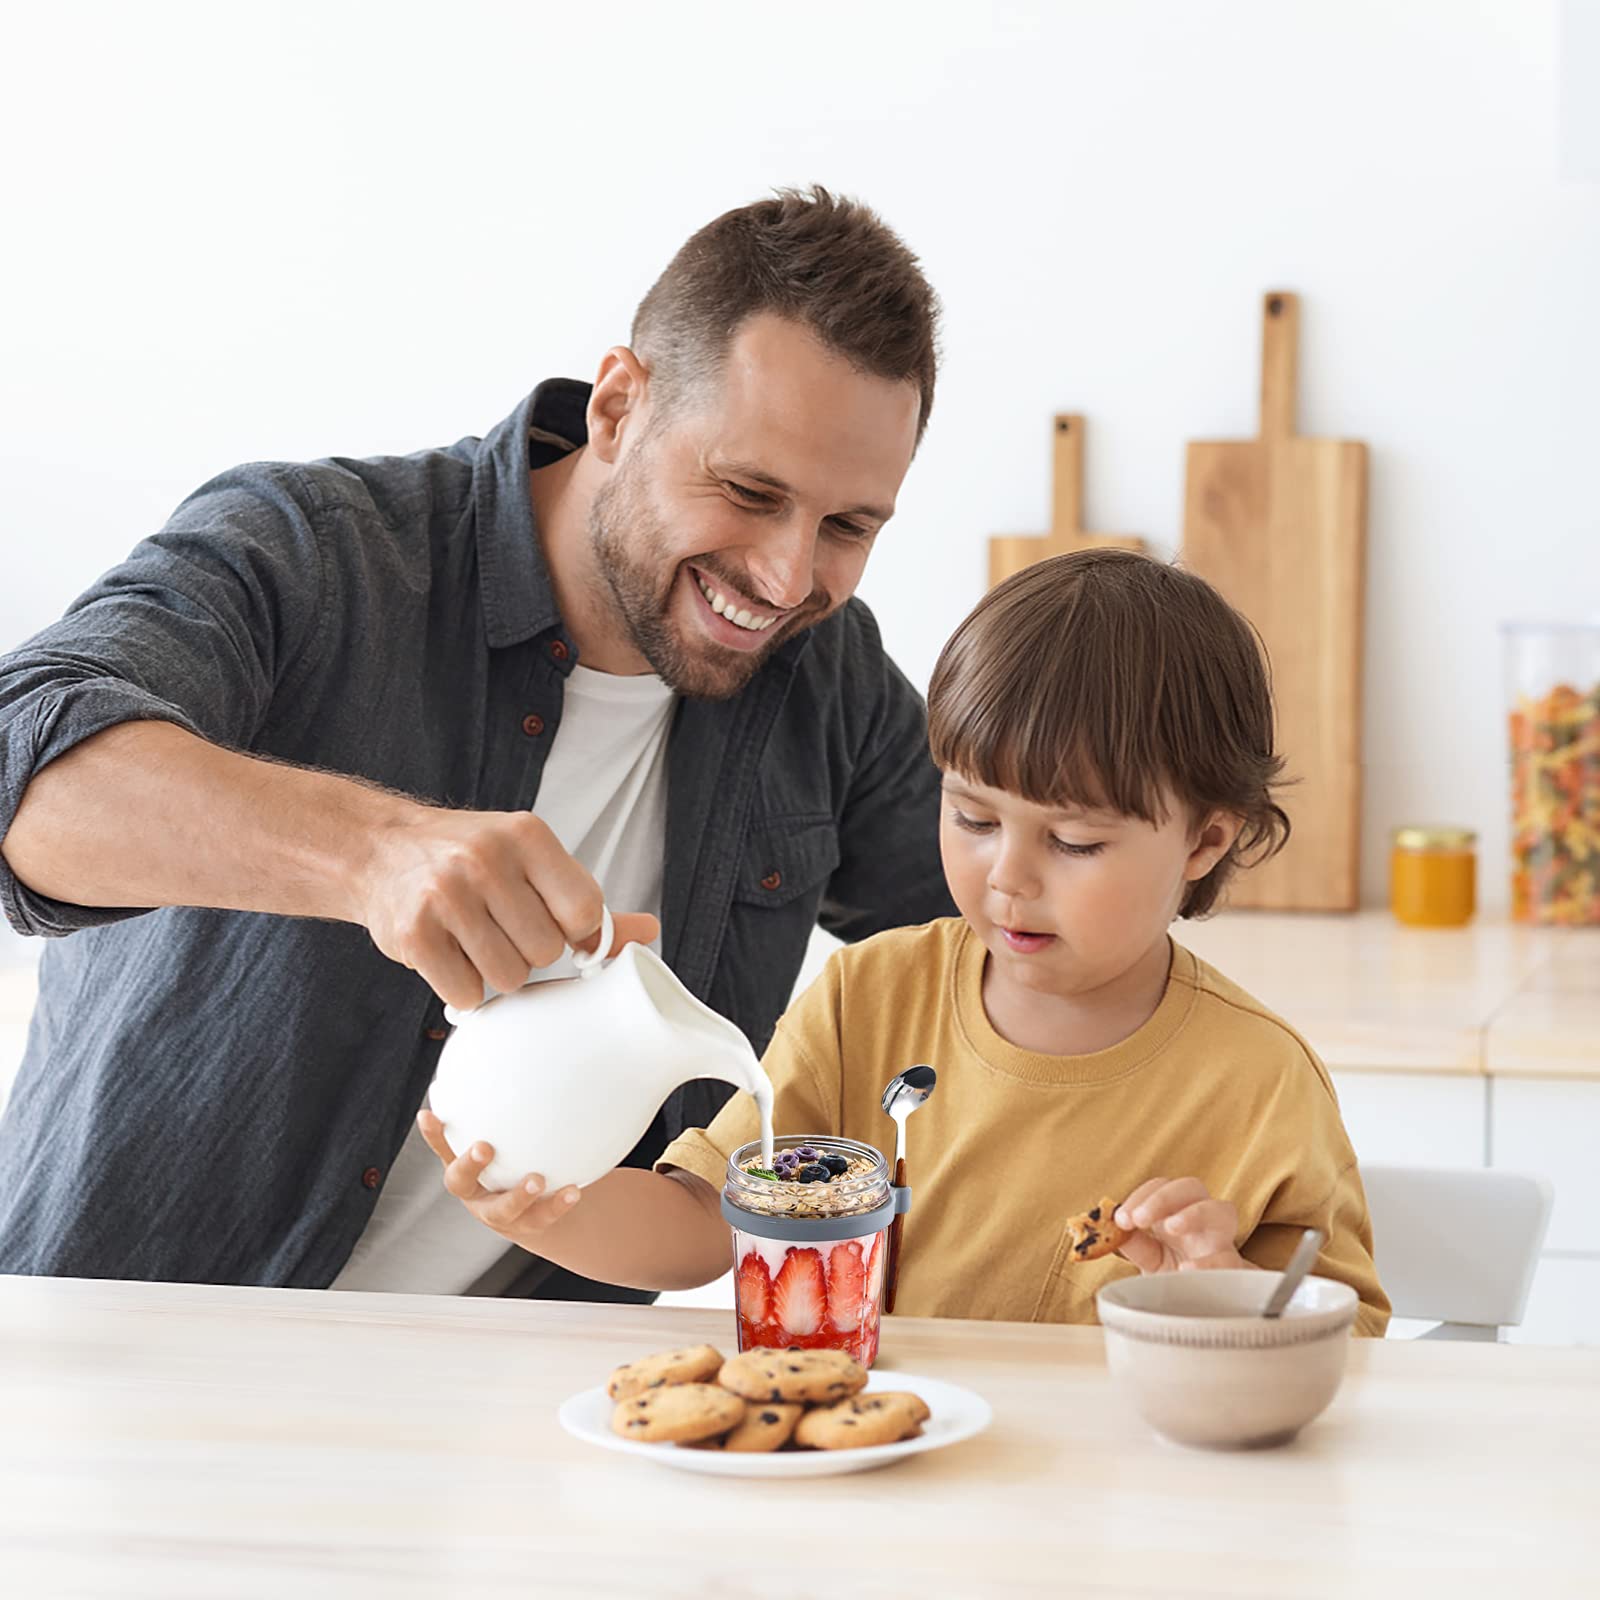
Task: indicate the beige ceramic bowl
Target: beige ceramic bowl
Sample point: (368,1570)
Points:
(1205,1368)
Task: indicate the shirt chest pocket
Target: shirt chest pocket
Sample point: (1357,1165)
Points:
(787,859)
(784,869)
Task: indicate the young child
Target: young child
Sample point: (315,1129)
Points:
(1104,725)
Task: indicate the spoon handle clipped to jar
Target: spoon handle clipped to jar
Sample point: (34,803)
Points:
(1300,1263)
(891,1248)
(901,1096)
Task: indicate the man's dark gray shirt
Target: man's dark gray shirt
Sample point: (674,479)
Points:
(215,1096)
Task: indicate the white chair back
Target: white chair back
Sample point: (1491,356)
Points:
(1457,1245)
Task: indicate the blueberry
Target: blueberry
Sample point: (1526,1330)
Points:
(836,1164)
(815,1172)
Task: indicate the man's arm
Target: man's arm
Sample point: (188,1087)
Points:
(149,814)
(199,629)
(118,791)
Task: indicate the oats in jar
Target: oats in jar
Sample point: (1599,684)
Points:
(814,1178)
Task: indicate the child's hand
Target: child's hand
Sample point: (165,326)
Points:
(519,1214)
(1179,1227)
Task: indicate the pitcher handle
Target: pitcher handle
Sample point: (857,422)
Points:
(589,962)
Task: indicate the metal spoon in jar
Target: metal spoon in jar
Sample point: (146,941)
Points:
(905,1092)
(1300,1263)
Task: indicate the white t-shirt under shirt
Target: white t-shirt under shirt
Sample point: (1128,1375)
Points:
(604,794)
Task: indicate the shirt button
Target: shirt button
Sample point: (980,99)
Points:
(533,724)
(372,1177)
(559,650)
(772,880)
(438,1035)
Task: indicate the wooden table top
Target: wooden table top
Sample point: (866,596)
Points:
(181,1441)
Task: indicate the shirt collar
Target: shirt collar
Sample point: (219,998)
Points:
(518,600)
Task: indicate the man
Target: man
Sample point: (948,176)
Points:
(273,774)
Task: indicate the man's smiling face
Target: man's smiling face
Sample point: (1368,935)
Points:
(747,515)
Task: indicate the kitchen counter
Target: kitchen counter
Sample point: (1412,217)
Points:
(185,1441)
(1491,999)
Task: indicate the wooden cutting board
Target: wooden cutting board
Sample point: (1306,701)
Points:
(1278,524)
(1010,553)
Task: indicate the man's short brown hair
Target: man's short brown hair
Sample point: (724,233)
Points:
(1109,680)
(826,262)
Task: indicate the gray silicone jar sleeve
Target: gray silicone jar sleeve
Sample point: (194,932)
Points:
(818,1230)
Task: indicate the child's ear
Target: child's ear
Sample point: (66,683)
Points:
(617,403)
(1212,843)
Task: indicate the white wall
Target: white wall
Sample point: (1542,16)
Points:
(292,230)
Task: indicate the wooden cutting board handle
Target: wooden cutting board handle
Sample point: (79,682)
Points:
(1010,553)
(1066,482)
(1280,363)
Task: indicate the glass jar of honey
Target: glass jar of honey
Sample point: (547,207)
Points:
(1433,876)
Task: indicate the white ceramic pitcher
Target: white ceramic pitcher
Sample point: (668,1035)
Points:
(563,1077)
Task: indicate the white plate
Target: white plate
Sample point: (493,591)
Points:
(957,1414)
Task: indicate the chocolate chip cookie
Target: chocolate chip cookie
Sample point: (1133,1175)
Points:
(765,1427)
(862,1420)
(680,1413)
(697,1365)
(1093,1234)
(805,1375)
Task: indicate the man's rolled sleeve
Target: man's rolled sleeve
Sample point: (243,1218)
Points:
(198,628)
(46,726)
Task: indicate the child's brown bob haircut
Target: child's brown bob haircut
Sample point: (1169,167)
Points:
(1111,681)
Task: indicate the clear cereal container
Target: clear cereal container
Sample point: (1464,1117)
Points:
(1553,690)
(808,1254)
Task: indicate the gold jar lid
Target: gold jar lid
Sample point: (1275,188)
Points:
(1416,837)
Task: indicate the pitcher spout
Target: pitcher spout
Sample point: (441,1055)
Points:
(704,1044)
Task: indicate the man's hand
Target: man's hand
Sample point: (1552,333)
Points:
(520,1214)
(468,898)
(1179,1227)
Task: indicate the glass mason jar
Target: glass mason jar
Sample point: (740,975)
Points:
(808,1258)
(1433,876)
(1553,691)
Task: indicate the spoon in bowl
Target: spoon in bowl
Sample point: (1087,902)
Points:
(903,1094)
(1300,1263)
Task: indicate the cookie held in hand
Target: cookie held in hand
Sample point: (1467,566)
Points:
(1094,1233)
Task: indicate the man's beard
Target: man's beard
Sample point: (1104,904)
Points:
(629,545)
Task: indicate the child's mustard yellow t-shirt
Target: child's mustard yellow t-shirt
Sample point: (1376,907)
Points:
(1213,1086)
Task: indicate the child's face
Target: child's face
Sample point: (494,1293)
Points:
(1068,901)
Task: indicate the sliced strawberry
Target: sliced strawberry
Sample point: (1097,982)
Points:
(800,1296)
(754,1288)
(847,1281)
(760,1335)
(875,1269)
